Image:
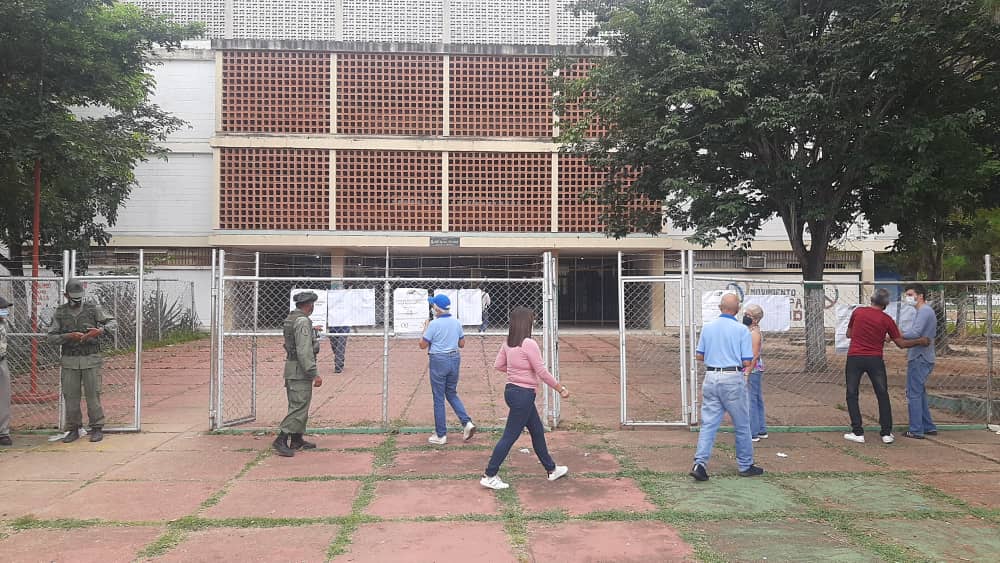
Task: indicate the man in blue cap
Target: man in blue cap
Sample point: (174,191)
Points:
(442,338)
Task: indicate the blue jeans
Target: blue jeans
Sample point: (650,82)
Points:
(918,370)
(722,393)
(444,385)
(486,321)
(522,414)
(758,424)
(339,346)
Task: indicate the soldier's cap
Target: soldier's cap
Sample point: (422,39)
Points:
(440,301)
(305,297)
(4,303)
(74,288)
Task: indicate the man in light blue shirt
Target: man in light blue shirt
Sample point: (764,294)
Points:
(726,349)
(920,363)
(442,339)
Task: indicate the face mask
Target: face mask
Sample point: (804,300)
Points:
(910,300)
(4,313)
(747,320)
(76,300)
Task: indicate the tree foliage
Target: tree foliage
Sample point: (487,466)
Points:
(75,85)
(739,112)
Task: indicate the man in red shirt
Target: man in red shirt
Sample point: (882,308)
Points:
(867,330)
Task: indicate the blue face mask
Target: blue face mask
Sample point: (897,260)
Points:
(4,313)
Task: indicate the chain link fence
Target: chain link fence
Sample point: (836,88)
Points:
(804,359)
(376,320)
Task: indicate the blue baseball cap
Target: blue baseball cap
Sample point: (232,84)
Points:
(440,301)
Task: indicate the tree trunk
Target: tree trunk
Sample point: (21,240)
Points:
(815,301)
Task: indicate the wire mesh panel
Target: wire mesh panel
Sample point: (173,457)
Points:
(653,382)
(33,363)
(120,298)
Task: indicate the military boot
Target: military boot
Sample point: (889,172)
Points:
(71,436)
(96,434)
(281,445)
(299,443)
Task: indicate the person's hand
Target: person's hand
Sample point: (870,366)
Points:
(74,336)
(925,341)
(317,381)
(318,328)
(564,392)
(92,333)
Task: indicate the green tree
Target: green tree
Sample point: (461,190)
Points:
(74,94)
(739,112)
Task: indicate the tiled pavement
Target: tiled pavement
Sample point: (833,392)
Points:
(189,496)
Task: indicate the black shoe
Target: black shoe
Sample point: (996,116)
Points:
(280,445)
(6,441)
(909,434)
(72,436)
(930,433)
(96,435)
(338,370)
(751,471)
(298,443)
(698,472)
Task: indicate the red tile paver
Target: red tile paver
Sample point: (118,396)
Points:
(34,496)
(313,464)
(80,545)
(286,499)
(65,465)
(580,495)
(300,543)
(977,489)
(407,499)
(622,542)
(429,542)
(578,460)
(198,442)
(132,500)
(183,466)
(440,461)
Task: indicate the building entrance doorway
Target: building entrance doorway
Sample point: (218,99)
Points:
(588,288)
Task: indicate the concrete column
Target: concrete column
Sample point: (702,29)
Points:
(444,192)
(554,219)
(658,300)
(867,274)
(338,261)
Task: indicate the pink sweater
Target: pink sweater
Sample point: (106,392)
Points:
(524,366)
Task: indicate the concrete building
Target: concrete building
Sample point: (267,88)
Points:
(321,129)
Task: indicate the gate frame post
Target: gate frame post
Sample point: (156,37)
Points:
(213,348)
(139,321)
(623,363)
(989,339)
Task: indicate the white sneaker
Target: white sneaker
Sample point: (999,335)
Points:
(888,439)
(851,436)
(558,472)
(493,482)
(469,431)
(755,439)
(439,440)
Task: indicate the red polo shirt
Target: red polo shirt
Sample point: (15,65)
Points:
(868,329)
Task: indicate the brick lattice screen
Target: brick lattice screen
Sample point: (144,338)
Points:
(500,192)
(275,92)
(390,94)
(388,191)
(500,97)
(576,177)
(574,112)
(282,189)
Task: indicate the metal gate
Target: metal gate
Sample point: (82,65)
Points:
(655,376)
(247,357)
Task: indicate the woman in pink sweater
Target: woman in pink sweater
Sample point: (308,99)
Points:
(521,360)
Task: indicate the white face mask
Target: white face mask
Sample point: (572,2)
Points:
(4,313)
(909,300)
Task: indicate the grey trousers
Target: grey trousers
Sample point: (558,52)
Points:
(90,379)
(4,398)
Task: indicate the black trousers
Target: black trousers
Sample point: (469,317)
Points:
(874,366)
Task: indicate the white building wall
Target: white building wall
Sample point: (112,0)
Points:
(186,89)
(174,197)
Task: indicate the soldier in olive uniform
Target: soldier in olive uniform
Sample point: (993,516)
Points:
(4,377)
(77,326)
(301,347)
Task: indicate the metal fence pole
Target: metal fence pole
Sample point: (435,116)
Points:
(159,313)
(138,343)
(546,336)
(692,337)
(214,350)
(253,347)
(623,363)
(685,401)
(221,343)
(989,340)
(385,344)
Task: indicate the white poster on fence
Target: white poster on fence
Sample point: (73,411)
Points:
(840,340)
(318,316)
(409,311)
(777,311)
(710,305)
(903,314)
(470,307)
(351,307)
